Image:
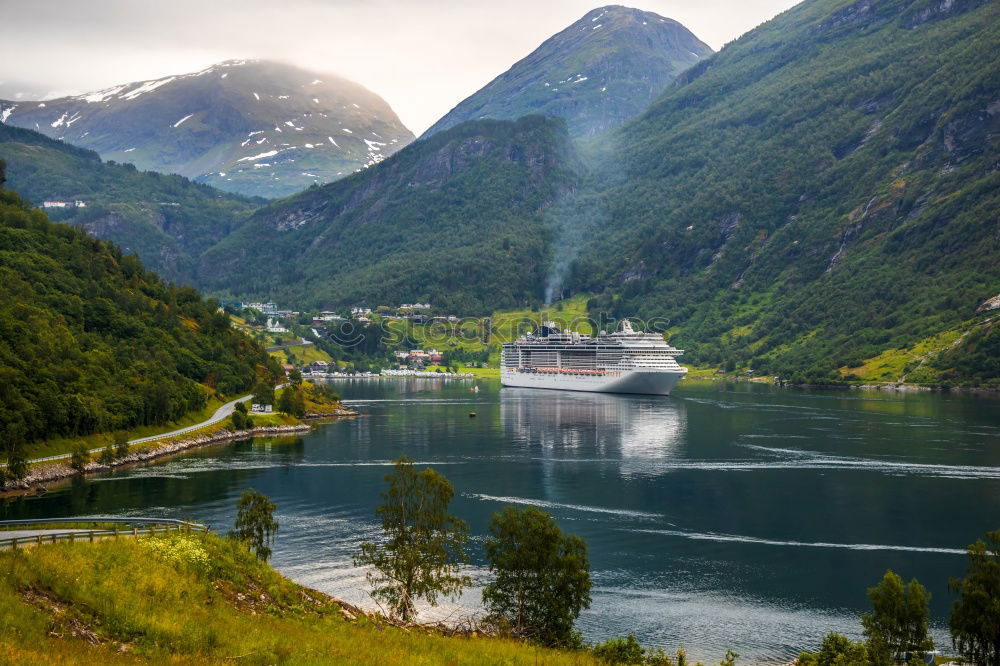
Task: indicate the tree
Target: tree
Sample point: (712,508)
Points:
(121,443)
(238,420)
(898,623)
(292,402)
(542,576)
(836,650)
(295,377)
(255,525)
(424,544)
(975,617)
(17,460)
(80,457)
(107,455)
(263,394)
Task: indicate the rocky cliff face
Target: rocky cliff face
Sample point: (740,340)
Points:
(596,74)
(254,127)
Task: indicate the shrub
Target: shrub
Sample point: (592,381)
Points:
(79,459)
(121,444)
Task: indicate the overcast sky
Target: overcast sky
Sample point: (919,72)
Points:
(422,56)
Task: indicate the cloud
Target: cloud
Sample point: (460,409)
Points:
(422,57)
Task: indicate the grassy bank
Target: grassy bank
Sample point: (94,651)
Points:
(201,599)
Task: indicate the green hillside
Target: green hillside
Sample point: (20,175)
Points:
(167,220)
(823,189)
(458,220)
(91,342)
(201,599)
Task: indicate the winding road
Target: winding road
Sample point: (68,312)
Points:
(220,414)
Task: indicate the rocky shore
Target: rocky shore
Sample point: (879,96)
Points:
(56,471)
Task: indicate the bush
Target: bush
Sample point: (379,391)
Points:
(620,651)
(107,455)
(121,444)
(81,456)
(239,419)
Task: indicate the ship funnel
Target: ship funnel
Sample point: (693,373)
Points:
(626,327)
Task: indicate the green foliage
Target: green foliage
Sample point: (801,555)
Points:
(203,599)
(443,208)
(837,650)
(620,651)
(90,342)
(263,393)
(424,544)
(13,441)
(255,524)
(898,623)
(167,220)
(975,617)
(79,458)
(120,442)
(813,194)
(292,402)
(240,407)
(238,420)
(295,377)
(541,576)
(107,455)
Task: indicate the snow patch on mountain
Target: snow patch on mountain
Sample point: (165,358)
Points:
(178,123)
(252,158)
(146,87)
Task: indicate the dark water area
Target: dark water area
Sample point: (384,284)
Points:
(724,516)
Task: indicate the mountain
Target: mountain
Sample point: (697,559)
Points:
(820,193)
(253,127)
(459,219)
(596,74)
(167,220)
(92,342)
(816,201)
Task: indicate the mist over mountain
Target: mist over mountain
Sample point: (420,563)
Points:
(166,219)
(253,127)
(596,74)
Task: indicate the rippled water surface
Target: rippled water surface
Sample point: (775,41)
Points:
(723,516)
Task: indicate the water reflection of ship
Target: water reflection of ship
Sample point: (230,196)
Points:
(625,426)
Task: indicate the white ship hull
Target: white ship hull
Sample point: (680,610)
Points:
(647,382)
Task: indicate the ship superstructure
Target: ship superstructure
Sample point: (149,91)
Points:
(627,361)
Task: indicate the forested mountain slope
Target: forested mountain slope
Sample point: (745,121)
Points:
(458,219)
(91,342)
(166,219)
(596,74)
(821,190)
(249,126)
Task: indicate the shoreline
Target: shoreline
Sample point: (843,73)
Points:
(58,471)
(895,387)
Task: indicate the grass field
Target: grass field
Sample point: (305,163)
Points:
(301,355)
(201,599)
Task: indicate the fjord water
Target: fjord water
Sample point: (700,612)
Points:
(725,516)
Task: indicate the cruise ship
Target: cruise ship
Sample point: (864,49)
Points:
(626,361)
